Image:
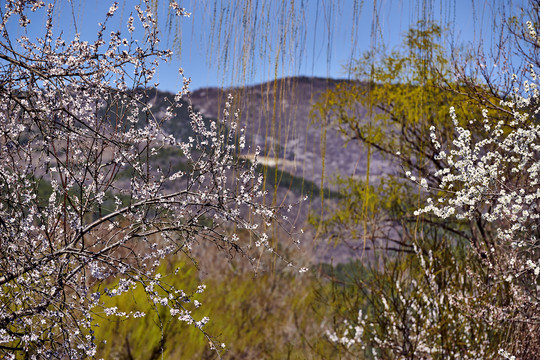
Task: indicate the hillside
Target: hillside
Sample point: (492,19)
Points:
(294,149)
(277,118)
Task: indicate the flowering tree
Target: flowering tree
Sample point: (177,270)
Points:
(82,201)
(488,182)
(496,181)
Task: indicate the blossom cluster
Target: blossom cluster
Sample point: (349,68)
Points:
(82,202)
(492,181)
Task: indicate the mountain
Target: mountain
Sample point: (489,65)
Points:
(277,118)
(296,152)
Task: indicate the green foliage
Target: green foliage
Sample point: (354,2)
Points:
(268,316)
(43,191)
(141,338)
(280,178)
(397,98)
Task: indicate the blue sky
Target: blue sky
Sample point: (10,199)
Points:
(469,21)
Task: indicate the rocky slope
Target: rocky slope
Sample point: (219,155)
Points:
(277,118)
